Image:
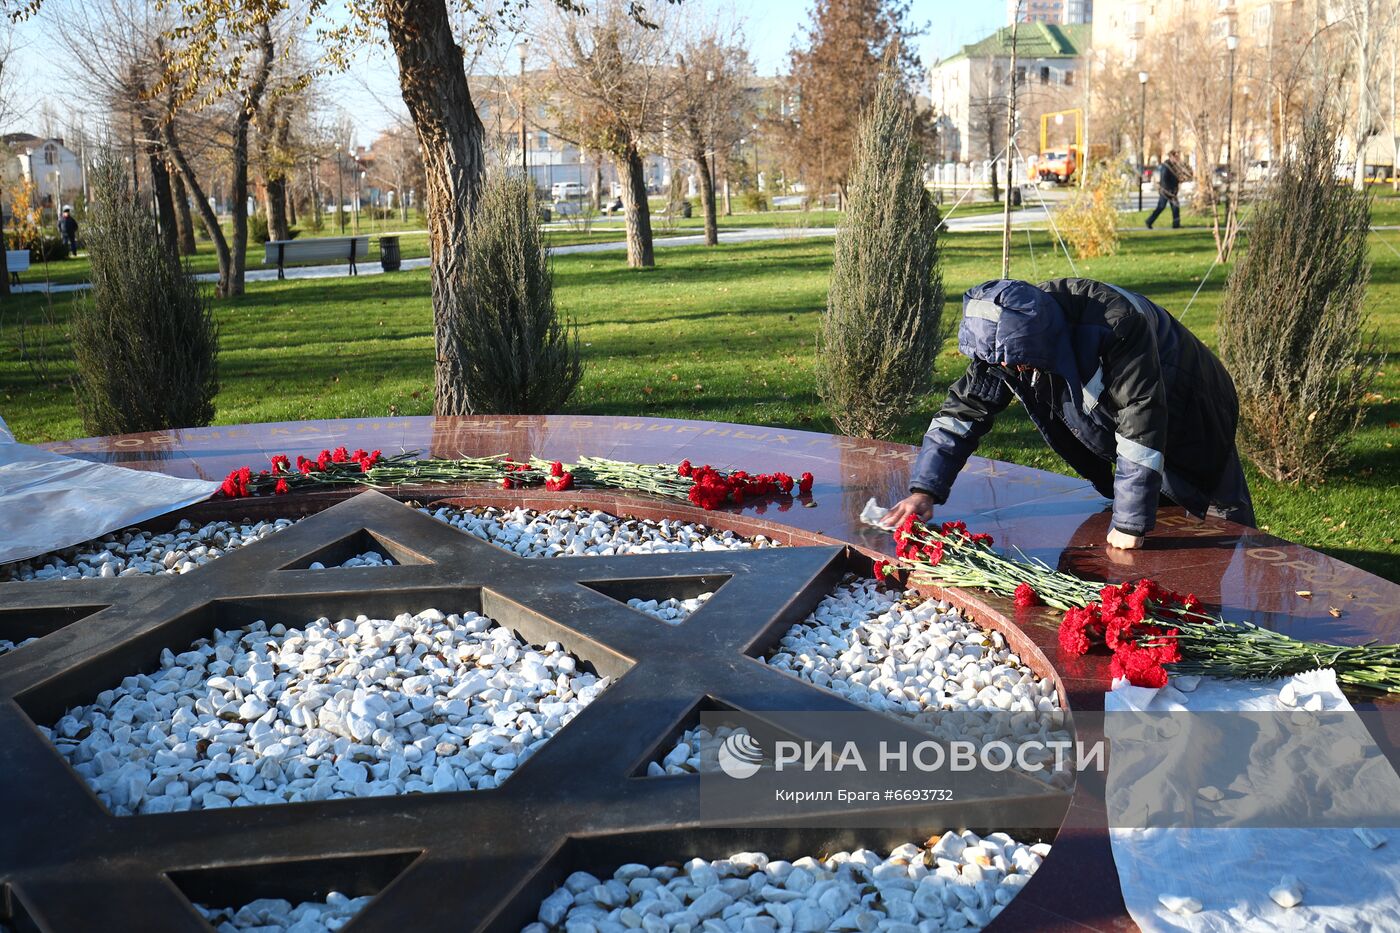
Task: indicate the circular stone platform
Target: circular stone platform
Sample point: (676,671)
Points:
(1055,518)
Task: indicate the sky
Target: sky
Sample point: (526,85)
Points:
(369,92)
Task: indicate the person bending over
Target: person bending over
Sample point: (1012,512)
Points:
(1110,380)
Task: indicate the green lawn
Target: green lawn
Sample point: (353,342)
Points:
(723,334)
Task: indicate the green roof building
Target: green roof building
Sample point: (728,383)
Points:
(970,87)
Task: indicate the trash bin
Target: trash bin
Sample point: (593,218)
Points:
(389,257)
(546,215)
(1016,196)
(685,209)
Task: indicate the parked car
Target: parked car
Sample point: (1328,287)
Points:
(563,190)
(567,208)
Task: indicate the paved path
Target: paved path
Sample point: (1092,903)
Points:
(971,223)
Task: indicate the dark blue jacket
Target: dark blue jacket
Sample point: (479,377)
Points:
(1117,381)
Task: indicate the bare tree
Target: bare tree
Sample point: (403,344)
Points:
(398,164)
(709,107)
(1370,27)
(609,79)
(8,111)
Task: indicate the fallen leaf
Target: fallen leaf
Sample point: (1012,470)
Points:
(1334,612)
(1306,594)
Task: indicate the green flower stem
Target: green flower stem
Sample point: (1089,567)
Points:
(1210,645)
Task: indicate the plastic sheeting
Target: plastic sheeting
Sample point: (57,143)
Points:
(49,501)
(1346,885)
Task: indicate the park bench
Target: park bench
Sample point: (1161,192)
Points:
(349,248)
(16,261)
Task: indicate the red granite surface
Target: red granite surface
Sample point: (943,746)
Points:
(1058,519)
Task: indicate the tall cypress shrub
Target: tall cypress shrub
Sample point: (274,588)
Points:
(881,331)
(144,335)
(521,358)
(1293,330)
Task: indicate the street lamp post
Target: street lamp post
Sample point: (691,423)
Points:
(359,177)
(757,185)
(524,160)
(1232,42)
(340,189)
(1142,134)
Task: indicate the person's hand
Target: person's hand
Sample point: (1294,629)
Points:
(919,504)
(1123,540)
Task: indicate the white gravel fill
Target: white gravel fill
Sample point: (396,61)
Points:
(7,646)
(527,532)
(274,915)
(584,532)
(133,551)
(670,611)
(695,751)
(354,708)
(871,646)
(958,882)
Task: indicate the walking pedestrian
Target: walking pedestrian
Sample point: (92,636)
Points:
(68,229)
(1170,174)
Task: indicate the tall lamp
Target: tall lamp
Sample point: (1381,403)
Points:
(1142,137)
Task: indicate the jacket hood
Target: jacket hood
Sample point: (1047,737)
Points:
(1013,323)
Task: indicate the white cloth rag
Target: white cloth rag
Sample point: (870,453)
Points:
(872,514)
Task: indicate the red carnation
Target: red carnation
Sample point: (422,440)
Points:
(1026,597)
(559,483)
(340,455)
(1074,634)
(280,464)
(556,469)
(785,483)
(804,484)
(281,487)
(981,539)
(685,469)
(1139,666)
(882,570)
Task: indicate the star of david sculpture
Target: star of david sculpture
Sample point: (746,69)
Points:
(476,860)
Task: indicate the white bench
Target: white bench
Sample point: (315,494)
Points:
(16,261)
(349,248)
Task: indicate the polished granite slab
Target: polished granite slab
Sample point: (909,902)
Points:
(1059,519)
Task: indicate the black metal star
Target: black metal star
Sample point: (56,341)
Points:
(478,860)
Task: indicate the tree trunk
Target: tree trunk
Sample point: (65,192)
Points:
(728,207)
(165,202)
(275,204)
(184,224)
(291,208)
(434,85)
(206,211)
(707,198)
(1363,101)
(4,258)
(238,160)
(635,209)
(596,194)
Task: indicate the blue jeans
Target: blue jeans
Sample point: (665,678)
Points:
(1162,202)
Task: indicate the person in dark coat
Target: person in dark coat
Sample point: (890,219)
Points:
(1128,396)
(68,229)
(1170,174)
